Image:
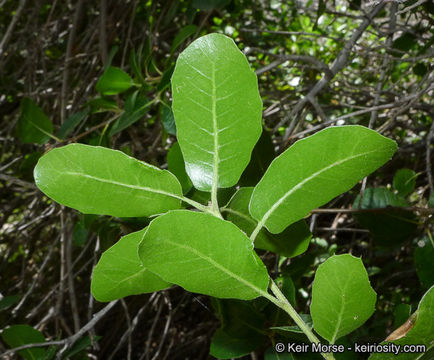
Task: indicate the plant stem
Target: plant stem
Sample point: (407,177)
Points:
(256,231)
(281,301)
(193,203)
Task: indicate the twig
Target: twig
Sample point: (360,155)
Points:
(71,39)
(102,31)
(68,342)
(421,210)
(428,158)
(337,65)
(11,26)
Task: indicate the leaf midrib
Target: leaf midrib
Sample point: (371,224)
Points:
(130,186)
(218,266)
(300,184)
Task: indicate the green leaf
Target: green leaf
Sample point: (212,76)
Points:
(97,180)
(114,81)
(120,273)
(262,156)
(217,111)
(33,125)
(18,335)
(203,254)
(315,170)
(8,301)
(242,330)
(80,234)
(71,123)
(135,109)
(390,227)
(401,313)
(183,35)
(102,104)
(176,165)
(168,120)
(291,242)
(342,297)
(272,354)
(423,261)
(422,332)
(404,181)
(80,345)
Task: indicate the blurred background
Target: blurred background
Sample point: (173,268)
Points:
(319,63)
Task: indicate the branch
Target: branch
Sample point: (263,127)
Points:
(68,341)
(337,65)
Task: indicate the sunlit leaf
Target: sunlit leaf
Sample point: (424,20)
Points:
(120,273)
(315,170)
(203,254)
(97,180)
(217,111)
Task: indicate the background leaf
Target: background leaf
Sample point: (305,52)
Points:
(17,335)
(422,332)
(136,107)
(203,254)
(114,81)
(217,111)
(33,125)
(71,123)
(423,261)
(390,227)
(315,170)
(97,180)
(342,297)
(176,165)
(291,242)
(120,273)
(182,35)
(404,181)
(241,331)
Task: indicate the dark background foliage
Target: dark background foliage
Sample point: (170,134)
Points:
(319,63)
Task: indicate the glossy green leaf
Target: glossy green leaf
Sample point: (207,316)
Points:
(103,104)
(404,181)
(33,125)
(422,332)
(217,111)
(114,81)
(203,254)
(176,165)
(120,273)
(135,108)
(342,297)
(97,180)
(424,263)
(18,335)
(390,227)
(71,123)
(183,35)
(315,170)
(291,242)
